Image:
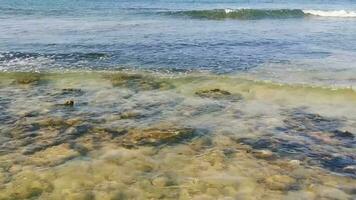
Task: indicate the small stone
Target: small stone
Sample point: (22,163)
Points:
(350,169)
(130,115)
(263,154)
(344,134)
(279,182)
(69,103)
(161,181)
(294,162)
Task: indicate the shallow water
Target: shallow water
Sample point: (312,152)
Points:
(177,99)
(130,135)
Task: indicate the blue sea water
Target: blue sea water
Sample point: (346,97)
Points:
(225,36)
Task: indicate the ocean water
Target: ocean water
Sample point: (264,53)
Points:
(216,36)
(177,99)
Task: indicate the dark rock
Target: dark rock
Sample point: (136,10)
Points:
(69,103)
(316,155)
(159,135)
(139,82)
(218,94)
(343,134)
(31,114)
(33,148)
(72,91)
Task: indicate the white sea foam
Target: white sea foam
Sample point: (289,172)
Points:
(334,13)
(228,10)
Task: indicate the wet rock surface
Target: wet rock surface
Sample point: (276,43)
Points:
(142,140)
(219,94)
(160,135)
(312,138)
(138,82)
(24,78)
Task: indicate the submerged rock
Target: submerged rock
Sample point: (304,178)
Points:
(27,78)
(264,154)
(72,91)
(343,134)
(131,115)
(69,103)
(139,82)
(279,182)
(159,135)
(162,181)
(350,169)
(51,132)
(25,185)
(53,156)
(218,94)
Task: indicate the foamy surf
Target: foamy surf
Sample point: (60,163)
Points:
(253,14)
(331,13)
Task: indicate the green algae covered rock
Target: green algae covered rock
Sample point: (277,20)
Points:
(218,94)
(159,135)
(27,78)
(279,182)
(139,82)
(25,185)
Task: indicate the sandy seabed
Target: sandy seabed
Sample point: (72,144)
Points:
(134,135)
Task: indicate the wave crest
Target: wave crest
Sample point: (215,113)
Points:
(333,13)
(250,14)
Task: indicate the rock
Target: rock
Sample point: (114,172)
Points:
(27,78)
(69,103)
(30,114)
(343,134)
(159,135)
(72,91)
(218,94)
(54,122)
(350,169)
(332,193)
(279,182)
(3,177)
(138,82)
(201,143)
(83,195)
(53,156)
(25,185)
(130,115)
(161,181)
(263,154)
(294,162)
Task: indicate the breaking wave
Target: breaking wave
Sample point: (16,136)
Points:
(247,14)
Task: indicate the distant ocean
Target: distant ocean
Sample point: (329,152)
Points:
(272,40)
